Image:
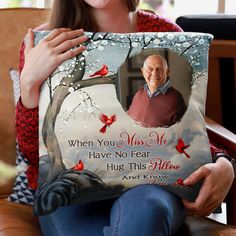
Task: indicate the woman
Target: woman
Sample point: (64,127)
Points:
(143,210)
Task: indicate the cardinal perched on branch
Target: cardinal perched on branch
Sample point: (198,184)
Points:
(79,166)
(102,72)
(180,147)
(107,121)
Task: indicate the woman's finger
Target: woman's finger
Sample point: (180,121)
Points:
(54,33)
(197,175)
(64,36)
(212,203)
(71,53)
(29,40)
(69,44)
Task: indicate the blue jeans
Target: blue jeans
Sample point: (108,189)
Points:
(145,210)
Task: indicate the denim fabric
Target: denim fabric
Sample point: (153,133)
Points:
(145,210)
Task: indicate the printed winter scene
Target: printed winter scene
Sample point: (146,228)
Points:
(98,128)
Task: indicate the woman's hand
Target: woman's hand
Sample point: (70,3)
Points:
(41,60)
(217,180)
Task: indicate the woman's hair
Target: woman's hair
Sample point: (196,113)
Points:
(75,14)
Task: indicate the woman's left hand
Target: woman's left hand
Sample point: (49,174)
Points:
(217,180)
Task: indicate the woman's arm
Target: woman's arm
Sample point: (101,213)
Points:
(36,64)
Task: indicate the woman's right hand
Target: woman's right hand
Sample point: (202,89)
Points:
(41,60)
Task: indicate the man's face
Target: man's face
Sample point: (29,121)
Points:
(155,72)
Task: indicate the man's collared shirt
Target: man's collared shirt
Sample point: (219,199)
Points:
(162,89)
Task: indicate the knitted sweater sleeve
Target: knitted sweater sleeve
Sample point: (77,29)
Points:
(27,132)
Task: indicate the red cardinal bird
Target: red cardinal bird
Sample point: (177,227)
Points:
(107,121)
(180,181)
(78,166)
(180,147)
(102,72)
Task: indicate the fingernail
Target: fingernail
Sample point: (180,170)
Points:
(186,182)
(80,31)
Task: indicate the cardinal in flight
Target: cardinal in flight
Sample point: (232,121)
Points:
(180,147)
(102,72)
(79,166)
(107,121)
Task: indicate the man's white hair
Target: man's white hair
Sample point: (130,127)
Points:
(158,56)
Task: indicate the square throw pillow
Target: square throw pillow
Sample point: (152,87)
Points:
(21,192)
(127,111)
(14,75)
